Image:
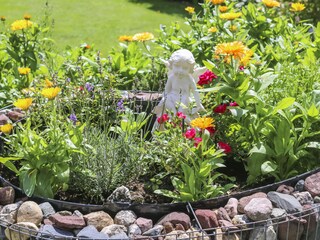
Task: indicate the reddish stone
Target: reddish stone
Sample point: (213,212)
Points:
(285,189)
(245,200)
(175,218)
(67,222)
(291,229)
(207,218)
(3,119)
(15,116)
(227,226)
(222,214)
(311,184)
(168,227)
(144,224)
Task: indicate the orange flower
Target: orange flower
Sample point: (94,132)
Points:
(212,30)
(6,129)
(297,7)
(24,71)
(235,49)
(21,24)
(223,9)
(202,122)
(271,3)
(216,2)
(23,104)
(125,38)
(142,37)
(50,93)
(230,16)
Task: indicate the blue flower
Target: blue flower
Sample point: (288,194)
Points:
(89,87)
(73,118)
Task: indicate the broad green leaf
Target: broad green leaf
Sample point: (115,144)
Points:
(268,167)
(313,111)
(29,182)
(283,104)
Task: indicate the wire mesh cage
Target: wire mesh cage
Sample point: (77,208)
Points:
(298,226)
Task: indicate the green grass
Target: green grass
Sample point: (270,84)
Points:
(97,22)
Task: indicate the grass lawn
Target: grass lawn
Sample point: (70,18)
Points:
(97,22)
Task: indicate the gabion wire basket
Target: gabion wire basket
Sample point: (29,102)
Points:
(303,225)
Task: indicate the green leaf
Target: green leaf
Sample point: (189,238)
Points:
(29,182)
(283,104)
(205,169)
(268,167)
(313,111)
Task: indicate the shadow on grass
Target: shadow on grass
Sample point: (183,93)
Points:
(166,6)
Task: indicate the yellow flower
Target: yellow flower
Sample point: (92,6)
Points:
(233,28)
(141,37)
(230,16)
(223,9)
(235,49)
(248,53)
(189,9)
(23,104)
(50,93)
(297,7)
(212,29)
(7,128)
(27,17)
(24,71)
(48,83)
(271,3)
(125,38)
(202,122)
(3,18)
(216,2)
(21,24)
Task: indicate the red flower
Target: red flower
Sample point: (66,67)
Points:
(225,146)
(233,104)
(197,141)
(81,88)
(162,119)
(181,115)
(222,108)
(241,68)
(190,133)
(211,130)
(206,78)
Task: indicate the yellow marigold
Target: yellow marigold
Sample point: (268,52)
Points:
(223,9)
(125,38)
(235,49)
(142,37)
(189,9)
(23,104)
(21,24)
(212,29)
(7,128)
(216,2)
(27,16)
(230,16)
(24,71)
(271,3)
(48,83)
(202,122)
(233,28)
(297,7)
(247,57)
(50,93)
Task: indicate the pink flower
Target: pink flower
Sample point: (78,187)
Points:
(162,119)
(190,133)
(197,141)
(211,130)
(233,104)
(181,115)
(225,146)
(241,68)
(222,108)
(206,78)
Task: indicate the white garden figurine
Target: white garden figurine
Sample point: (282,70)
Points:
(180,94)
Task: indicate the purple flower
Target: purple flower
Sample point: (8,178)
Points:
(89,87)
(73,118)
(120,106)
